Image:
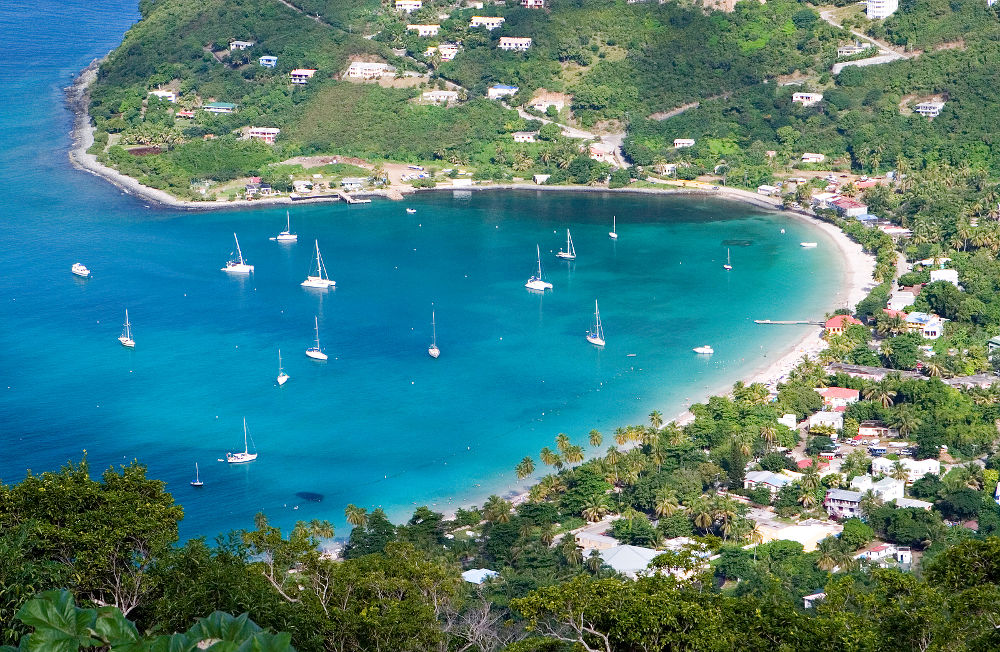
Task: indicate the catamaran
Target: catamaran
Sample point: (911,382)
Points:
(320,279)
(126,337)
(433,349)
(282,376)
(287,235)
(536,282)
(704,349)
(570,253)
(80,270)
(728,265)
(315,352)
(246,455)
(237,265)
(596,334)
(614,228)
(197,477)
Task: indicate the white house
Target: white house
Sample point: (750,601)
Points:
(489,22)
(811,157)
(787,420)
(424,30)
(518,43)
(442,97)
(408,6)
(540,179)
(766,190)
(479,575)
(930,326)
(900,299)
(268,61)
(630,561)
(266,134)
(879,9)
(448,51)
(929,109)
(353,183)
(876,430)
(808,601)
(838,397)
(533,4)
(524,136)
(169,96)
(848,207)
(602,152)
(851,50)
(500,90)
(807,99)
(368,70)
(772,481)
(949,275)
(301,75)
(887,488)
(240,45)
(833,420)
(219,107)
(683,142)
(915,469)
(840,503)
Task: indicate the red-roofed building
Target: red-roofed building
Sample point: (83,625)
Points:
(848,207)
(838,397)
(894,313)
(914,289)
(805,464)
(835,325)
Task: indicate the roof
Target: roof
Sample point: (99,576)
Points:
(629,559)
(805,464)
(220,105)
(503,86)
(922,318)
(894,313)
(766,477)
(838,392)
(478,575)
(303,71)
(841,321)
(845,495)
(847,202)
(354,180)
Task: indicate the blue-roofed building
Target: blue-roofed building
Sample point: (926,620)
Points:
(929,326)
(867,217)
(268,61)
(500,90)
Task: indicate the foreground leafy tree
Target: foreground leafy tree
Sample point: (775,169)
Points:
(61,626)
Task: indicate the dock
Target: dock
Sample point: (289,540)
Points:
(788,322)
(352,200)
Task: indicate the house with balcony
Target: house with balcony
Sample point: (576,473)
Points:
(929,109)
(489,22)
(533,4)
(448,51)
(424,30)
(837,324)
(888,489)
(876,430)
(301,76)
(930,326)
(525,136)
(515,43)
(439,97)
(265,134)
(680,143)
(838,398)
(219,107)
(841,503)
(879,9)
(368,70)
(915,469)
(240,45)
(773,482)
(409,6)
(807,99)
(169,96)
(268,61)
(497,91)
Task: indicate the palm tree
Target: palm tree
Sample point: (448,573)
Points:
(769,433)
(869,502)
(562,442)
(496,510)
(744,443)
(701,512)
(656,419)
(596,439)
(935,369)
(899,472)
(810,477)
(621,436)
(595,508)
(828,552)
(571,552)
(548,534)
(356,516)
(573,455)
(550,458)
(905,421)
(807,499)
(756,537)
(613,456)
(594,561)
(666,503)
(879,393)
(525,468)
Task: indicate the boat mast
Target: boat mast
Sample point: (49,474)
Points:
(239,254)
(538,250)
(288,222)
(317,333)
(246,448)
(434,336)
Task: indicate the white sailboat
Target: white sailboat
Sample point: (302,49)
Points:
(282,376)
(237,265)
(246,455)
(613,233)
(596,334)
(315,352)
(728,266)
(570,253)
(80,270)
(536,282)
(433,349)
(197,477)
(287,235)
(126,337)
(320,279)
(704,349)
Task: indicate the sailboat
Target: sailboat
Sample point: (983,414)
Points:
(570,253)
(315,352)
(614,228)
(126,337)
(197,478)
(237,265)
(287,235)
(728,266)
(536,282)
(320,279)
(282,376)
(596,334)
(246,455)
(433,349)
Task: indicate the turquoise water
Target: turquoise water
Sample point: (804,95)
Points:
(380,423)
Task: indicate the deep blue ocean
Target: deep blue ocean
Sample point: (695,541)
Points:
(380,423)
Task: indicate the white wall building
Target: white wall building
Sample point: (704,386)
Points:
(408,6)
(500,90)
(524,136)
(929,109)
(683,142)
(240,45)
(169,96)
(424,30)
(812,157)
(489,22)
(301,76)
(266,134)
(448,51)
(367,70)
(916,469)
(807,99)
(887,488)
(440,96)
(950,275)
(900,299)
(518,43)
(879,9)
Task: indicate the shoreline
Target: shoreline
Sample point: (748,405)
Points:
(858,266)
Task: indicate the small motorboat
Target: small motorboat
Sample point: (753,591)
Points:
(80,270)
(411,211)
(808,245)
(705,349)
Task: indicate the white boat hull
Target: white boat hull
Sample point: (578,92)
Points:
(80,270)
(566,256)
(197,484)
(238,268)
(411,211)
(434,352)
(597,341)
(127,342)
(282,379)
(808,245)
(535,284)
(240,458)
(727,267)
(612,235)
(316,354)
(704,350)
(318,283)
(287,237)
